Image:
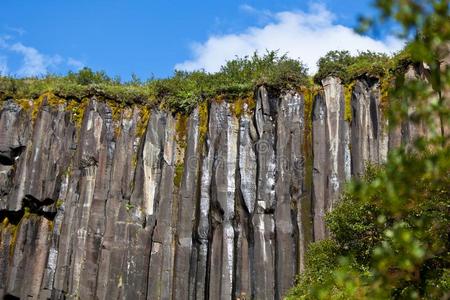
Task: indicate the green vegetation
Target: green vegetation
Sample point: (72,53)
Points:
(203,122)
(129,207)
(144,116)
(236,81)
(59,203)
(390,233)
(347,67)
(348,90)
(73,86)
(178,176)
(179,93)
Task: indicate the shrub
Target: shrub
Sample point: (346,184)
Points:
(347,67)
(389,234)
(179,93)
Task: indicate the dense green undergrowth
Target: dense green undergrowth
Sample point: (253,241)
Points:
(389,235)
(237,79)
(390,232)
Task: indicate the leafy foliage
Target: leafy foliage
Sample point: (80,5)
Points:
(347,67)
(391,230)
(86,77)
(271,69)
(390,234)
(79,85)
(181,92)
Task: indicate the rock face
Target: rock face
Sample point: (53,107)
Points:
(368,135)
(98,202)
(331,151)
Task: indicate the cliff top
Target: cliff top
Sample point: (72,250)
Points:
(238,78)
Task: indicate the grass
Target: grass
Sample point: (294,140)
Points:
(180,93)
(236,80)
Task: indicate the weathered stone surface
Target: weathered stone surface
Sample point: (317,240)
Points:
(331,166)
(263,218)
(184,258)
(289,188)
(368,126)
(102,202)
(245,205)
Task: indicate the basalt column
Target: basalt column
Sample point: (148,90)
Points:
(369,139)
(289,189)
(263,218)
(331,165)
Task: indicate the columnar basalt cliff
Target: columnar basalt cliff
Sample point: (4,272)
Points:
(101,202)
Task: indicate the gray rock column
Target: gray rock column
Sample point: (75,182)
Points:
(368,126)
(330,150)
(263,218)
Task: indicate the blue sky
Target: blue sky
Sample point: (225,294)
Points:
(151,37)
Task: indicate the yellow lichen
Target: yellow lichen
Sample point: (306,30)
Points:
(53,100)
(385,86)
(36,107)
(77,108)
(181,129)
(13,238)
(348,90)
(219,98)
(251,102)
(117,130)
(309,93)
(33,106)
(237,107)
(26,213)
(144,116)
(5,222)
(178,176)
(309,96)
(134,160)
(243,105)
(51,225)
(59,203)
(26,104)
(203,122)
(117,109)
(68,171)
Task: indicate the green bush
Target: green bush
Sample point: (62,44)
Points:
(180,93)
(347,67)
(320,261)
(390,234)
(86,76)
(354,222)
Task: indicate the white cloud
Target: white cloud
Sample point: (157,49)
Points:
(34,63)
(3,66)
(16,30)
(305,35)
(262,16)
(72,62)
(247,8)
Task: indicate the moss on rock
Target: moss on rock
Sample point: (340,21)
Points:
(348,91)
